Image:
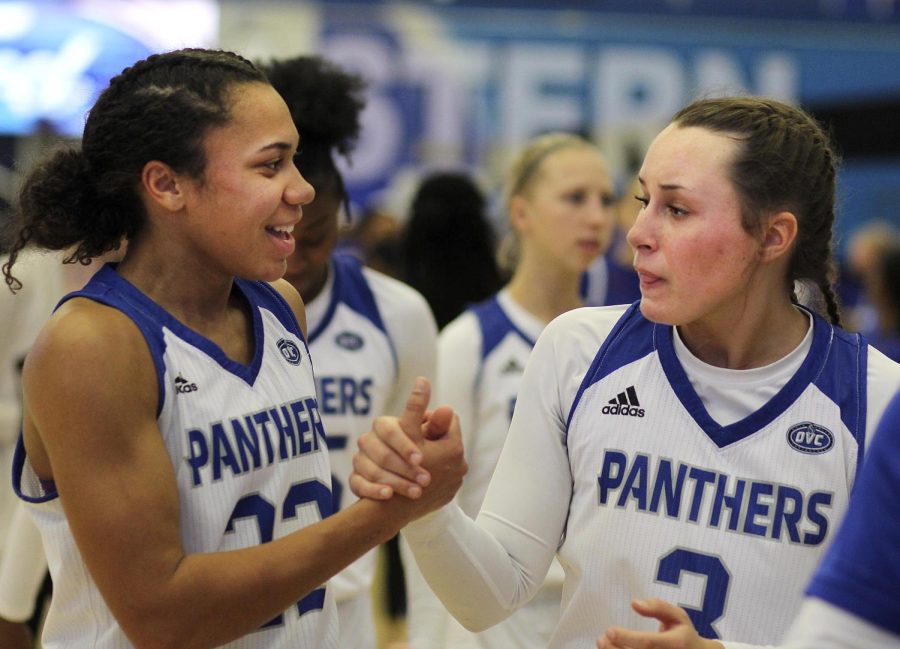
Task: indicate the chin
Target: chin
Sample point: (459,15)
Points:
(657,313)
(274,273)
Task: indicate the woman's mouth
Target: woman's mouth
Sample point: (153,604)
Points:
(283,237)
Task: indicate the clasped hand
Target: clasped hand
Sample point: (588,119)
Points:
(418,455)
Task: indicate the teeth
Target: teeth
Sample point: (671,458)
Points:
(283,228)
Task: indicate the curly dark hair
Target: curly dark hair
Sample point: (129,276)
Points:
(160,108)
(325,101)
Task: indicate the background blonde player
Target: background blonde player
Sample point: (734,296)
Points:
(558,199)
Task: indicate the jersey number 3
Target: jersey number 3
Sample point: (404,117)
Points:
(299,494)
(713,606)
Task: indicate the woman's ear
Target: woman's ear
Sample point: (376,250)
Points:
(779,235)
(161,185)
(517,212)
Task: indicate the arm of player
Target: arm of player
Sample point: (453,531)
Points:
(92,428)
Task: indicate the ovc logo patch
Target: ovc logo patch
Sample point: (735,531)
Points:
(290,351)
(811,438)
(349,341)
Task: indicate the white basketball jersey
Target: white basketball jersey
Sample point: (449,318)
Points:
(250,458)
(502,335)
(370,336)
(678,507)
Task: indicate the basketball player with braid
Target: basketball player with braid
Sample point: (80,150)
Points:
(172,449)
(699,446)
(370,336)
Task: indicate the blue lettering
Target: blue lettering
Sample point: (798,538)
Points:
(755,507)
(246,442)
(611,474)
(313,409)
(788,509)
(199,453)
(340,395)
(664,483)
(222,453)
(261,419)
(328,395)
(301,419)
(348,395)
(365,388)
(731,502)
(287,436)
(636,483)
(821,521)
(701,478)
(238,445)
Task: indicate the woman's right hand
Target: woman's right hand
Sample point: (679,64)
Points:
(418,455)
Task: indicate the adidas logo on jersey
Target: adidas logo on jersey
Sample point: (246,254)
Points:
(183,386)
(625,403)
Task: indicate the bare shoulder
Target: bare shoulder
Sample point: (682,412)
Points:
(84,330)
(87,351)
(289,293)
(88,376)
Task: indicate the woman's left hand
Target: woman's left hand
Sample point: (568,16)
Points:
(675,630)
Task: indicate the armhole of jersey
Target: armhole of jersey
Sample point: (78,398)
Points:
(351,286)
(149,328)
(275,302)
(495,323)
(594,372)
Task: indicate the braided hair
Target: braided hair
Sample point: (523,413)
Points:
(786,161)
(325,102)
(160,108)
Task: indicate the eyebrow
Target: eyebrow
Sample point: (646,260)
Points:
(278,146)
(667,187)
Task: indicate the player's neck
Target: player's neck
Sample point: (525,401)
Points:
(545,293)
(747,342)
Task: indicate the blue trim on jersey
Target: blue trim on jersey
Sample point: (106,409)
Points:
(267,295)
(832,352)
(18,468)
(860,572)
(611,356)
(352,289)
(495,325)
(109,288)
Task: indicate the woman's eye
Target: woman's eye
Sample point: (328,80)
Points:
(643,201)
(274,165)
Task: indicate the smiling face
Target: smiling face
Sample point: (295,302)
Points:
(241,214)
(563,215)
(694,258)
